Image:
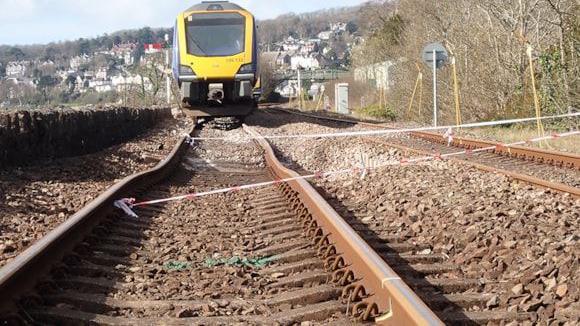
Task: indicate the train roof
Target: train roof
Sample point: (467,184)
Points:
(207,6)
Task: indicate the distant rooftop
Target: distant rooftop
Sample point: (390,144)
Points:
(208,5)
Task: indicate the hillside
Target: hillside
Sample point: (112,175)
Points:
(117,67)
(62,52)
(306,25)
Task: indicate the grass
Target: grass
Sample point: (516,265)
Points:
(375,111)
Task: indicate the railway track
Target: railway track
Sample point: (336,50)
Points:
(457,296)
(558,171)
(280,254)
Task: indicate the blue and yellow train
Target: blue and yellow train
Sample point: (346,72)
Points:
(215,59)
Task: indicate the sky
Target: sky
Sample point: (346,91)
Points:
(45,21)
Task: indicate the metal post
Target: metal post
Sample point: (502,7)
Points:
(435,88)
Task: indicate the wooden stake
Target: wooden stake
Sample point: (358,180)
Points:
(456,89)
(413,95)
(539,124)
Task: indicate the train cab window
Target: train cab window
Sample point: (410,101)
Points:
(215,34)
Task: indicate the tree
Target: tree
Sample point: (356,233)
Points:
(351,27)
(83,47)
(489,39)
(15,54)
(44,84)
(145,35)
(50,53)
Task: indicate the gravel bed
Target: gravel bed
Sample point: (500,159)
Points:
(35,199)
(187,236)
(522,240)
(237,149)
(191,233)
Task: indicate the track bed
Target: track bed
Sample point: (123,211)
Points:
(477,247)
(185,262)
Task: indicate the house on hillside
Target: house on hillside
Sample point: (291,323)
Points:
(46,64)
(17,68)
(290,45)
(153,48)
(338,27)
(82,84)
(102,74)
(21,81)
(284,60)
(309,47)
(125,52)
(377,75)
(325,36)
(288,88)
(78,61)
(124,83)
(101,86)
(308,62)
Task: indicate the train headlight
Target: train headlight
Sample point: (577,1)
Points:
(186,70)
(247,69)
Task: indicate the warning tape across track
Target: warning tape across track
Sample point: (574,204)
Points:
(128,203)
(391,131)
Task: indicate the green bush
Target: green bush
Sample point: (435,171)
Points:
(378,112)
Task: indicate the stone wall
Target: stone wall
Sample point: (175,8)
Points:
(28,136)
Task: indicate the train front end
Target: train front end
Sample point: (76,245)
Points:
(215,59)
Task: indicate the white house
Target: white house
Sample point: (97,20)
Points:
(309,47)
(122,83)
(21,81)
(102,74)
(101,86)
(17,68)
(290,47)
(338,27)
(376,74)
(283,60)
(125,52)
(288,88)
(325,36)
(78,61)
(304,62)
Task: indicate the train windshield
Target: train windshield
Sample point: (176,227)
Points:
(215,34)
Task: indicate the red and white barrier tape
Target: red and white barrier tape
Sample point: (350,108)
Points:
(389,131)
(128,204)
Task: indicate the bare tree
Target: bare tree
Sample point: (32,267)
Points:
(489,39)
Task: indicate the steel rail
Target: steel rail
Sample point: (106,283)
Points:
(517,176)
(568,160)
(22,274)
(397,304)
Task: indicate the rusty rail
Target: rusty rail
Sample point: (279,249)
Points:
(568,160)
(366,276)
(21,275)
(517,176)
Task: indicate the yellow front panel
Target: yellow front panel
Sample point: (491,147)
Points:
(216,67)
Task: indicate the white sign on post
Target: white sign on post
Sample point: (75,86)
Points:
(435,56)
